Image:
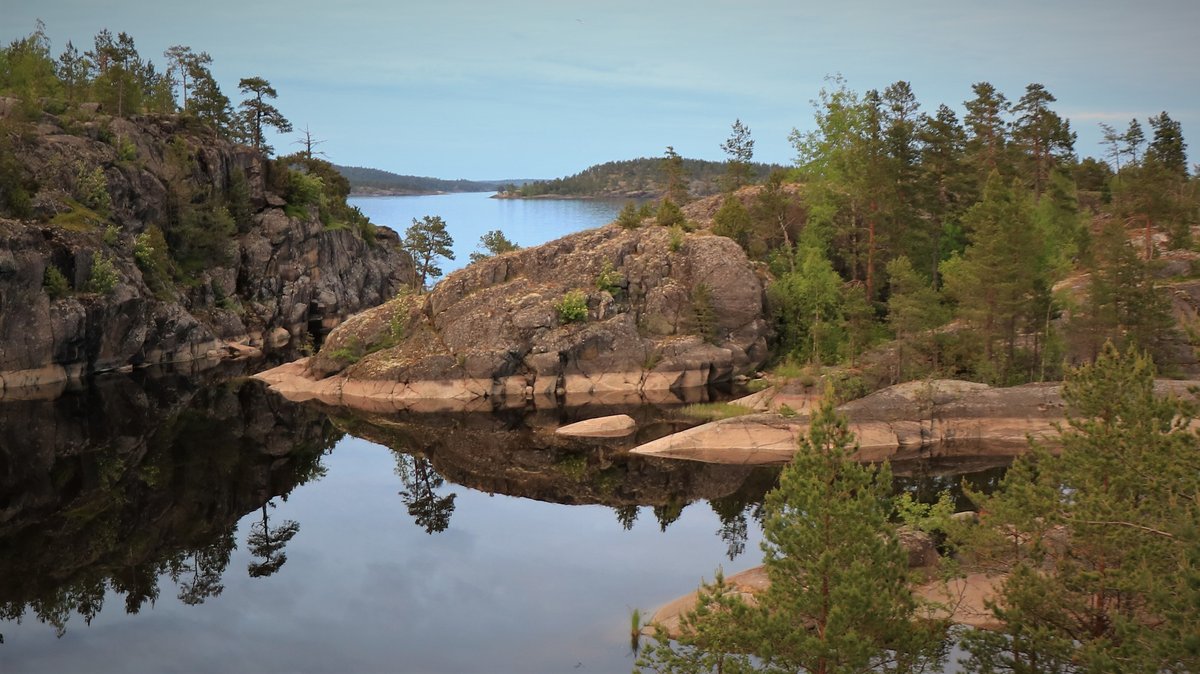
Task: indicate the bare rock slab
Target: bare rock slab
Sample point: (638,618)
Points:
(614,426)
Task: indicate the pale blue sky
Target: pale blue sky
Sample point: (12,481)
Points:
(470,89)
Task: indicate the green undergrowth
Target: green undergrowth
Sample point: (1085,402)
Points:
(715,411)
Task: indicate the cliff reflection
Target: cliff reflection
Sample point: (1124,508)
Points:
(121,486)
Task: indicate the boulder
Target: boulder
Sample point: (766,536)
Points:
(661,315)
(614,426)
(939,418)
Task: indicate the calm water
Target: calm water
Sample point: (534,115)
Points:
(144,511)
(469,216)
(174,526)
(202,524)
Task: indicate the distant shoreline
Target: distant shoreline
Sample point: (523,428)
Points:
(371,192)
(577,197)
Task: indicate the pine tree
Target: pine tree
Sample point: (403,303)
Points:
(987,143)
(426,240)
(1045,138)
(838,599)
(676,177)
(185,62)
(914,309)
(258,113)
(1167,148)
(996,279)
(1100,541)
(949,188)
(739,147)
(493,243)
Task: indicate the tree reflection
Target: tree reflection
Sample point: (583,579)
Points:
(206,566)
(732,510)
(627,515)
(670,511)
(267,543)
(430,511)
(128,487)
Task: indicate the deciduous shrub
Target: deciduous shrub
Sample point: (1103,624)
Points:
(572,307)
(103,277)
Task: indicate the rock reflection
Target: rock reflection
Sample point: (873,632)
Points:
(517,454)
(119,486)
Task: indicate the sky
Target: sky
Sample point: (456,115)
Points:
(546,88)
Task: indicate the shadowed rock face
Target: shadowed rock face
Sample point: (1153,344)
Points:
(661,315)
(281,272)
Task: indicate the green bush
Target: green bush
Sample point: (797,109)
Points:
(630,216)
(91,187)
(103,277)
(572,307)
(303,189)
(669,214)
(610,280)
(237,200)
(126,150)
(112,235)
(16,182)
(704,316)
(676,241)
(202,238)
(151,255)
(55,283)
(733,220)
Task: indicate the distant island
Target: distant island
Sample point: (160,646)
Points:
(641,178)
(377,182)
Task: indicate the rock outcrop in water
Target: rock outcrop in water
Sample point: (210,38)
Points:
(654,311)
(938,419)
(244,264)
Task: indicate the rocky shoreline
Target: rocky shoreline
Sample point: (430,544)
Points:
(279,275)
(606,313)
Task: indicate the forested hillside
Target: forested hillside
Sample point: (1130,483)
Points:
(377,181)
(984,246)
(635,178)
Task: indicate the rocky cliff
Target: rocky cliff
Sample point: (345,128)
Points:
(133,242)
(605,311)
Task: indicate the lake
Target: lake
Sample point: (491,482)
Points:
(526,222)
(173,524)
(161,522)
(135,516)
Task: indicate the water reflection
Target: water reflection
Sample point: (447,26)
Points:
(122,485)
(516,453)
(133,491)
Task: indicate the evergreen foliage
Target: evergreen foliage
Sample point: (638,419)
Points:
(493,243)
(630,216)
(1099,541)
(103,277)
(427,240)
(55,283)
(642,177)
(669,214)
(739,147)
(257,113)
(838,599)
